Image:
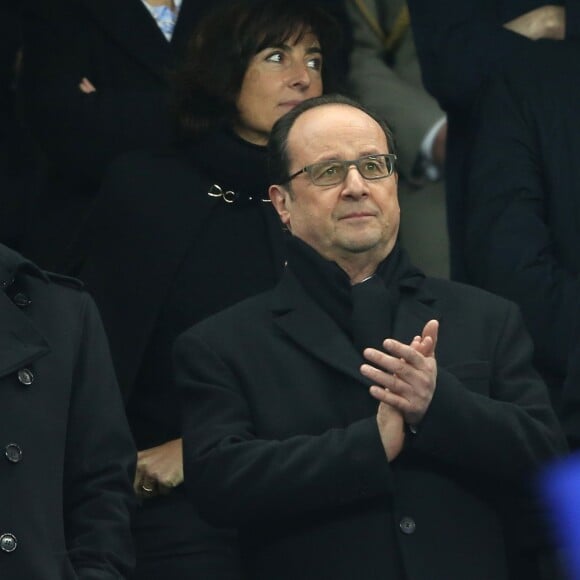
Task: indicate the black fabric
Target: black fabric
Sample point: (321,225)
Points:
(120,49)
(365,311)
(281,440)
(69,501)
(162,255)
(460,48)
(237,165)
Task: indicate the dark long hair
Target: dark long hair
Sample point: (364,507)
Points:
(208,83)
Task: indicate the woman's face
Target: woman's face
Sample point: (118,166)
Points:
(276,80)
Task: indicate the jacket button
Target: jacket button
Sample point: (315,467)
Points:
(407,525)
(8,542)
(25,376)
(13,453)
(21,300)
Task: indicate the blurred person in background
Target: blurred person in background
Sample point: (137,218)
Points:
(94,83)
(461,44)
(385,75)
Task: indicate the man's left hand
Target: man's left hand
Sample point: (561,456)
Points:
(405,376)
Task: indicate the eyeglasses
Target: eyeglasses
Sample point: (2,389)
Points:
(333,172)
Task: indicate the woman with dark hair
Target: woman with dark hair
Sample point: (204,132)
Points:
(179,235)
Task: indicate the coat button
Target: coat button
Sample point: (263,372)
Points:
(25,376)
(8,542)
(13,453)
(407,525)
(21,300)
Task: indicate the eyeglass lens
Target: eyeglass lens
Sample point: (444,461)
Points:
(334,172)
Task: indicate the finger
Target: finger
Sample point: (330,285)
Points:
(378,376)
(395,357)
(389,398)
(431,330)
(416,343)
(403,351)
(393,382)
(148,488)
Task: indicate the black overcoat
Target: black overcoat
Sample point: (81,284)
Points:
(523,211)
(281,441)
(152,217)
(68,456)
(120,49)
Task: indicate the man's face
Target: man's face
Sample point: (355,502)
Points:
(353,217)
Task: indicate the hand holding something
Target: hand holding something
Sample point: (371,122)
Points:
(86,86)
(405,375)
(547,22)
(159,469)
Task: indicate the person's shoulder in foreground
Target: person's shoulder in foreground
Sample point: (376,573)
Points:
(70,456)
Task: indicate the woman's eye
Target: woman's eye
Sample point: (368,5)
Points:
(277,56)
(315,63)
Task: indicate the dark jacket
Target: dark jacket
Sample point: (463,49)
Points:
(160,254)
(120,49)
(461,43)
(281,440)
(522,228)
(69,457)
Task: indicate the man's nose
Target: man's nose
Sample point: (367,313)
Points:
(354,183)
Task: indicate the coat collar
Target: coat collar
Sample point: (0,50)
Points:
(11,263)
(298,316)
(20,341)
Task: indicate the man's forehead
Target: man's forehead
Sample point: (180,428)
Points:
(333,127)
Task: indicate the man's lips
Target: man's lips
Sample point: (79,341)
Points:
(357,215)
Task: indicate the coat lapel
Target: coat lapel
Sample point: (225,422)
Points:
(20,342)
(132,26)
(416,307)
(300,318)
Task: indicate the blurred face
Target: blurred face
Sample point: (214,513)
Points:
(276,80)
(356,219)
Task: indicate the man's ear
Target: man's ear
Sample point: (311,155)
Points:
(280,198)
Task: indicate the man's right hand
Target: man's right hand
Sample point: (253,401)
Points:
(547,22)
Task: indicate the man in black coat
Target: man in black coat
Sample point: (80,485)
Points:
(522,230)
(69,458)
(460,44)
(282,438)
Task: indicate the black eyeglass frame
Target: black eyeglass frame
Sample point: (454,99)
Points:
(346,164)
